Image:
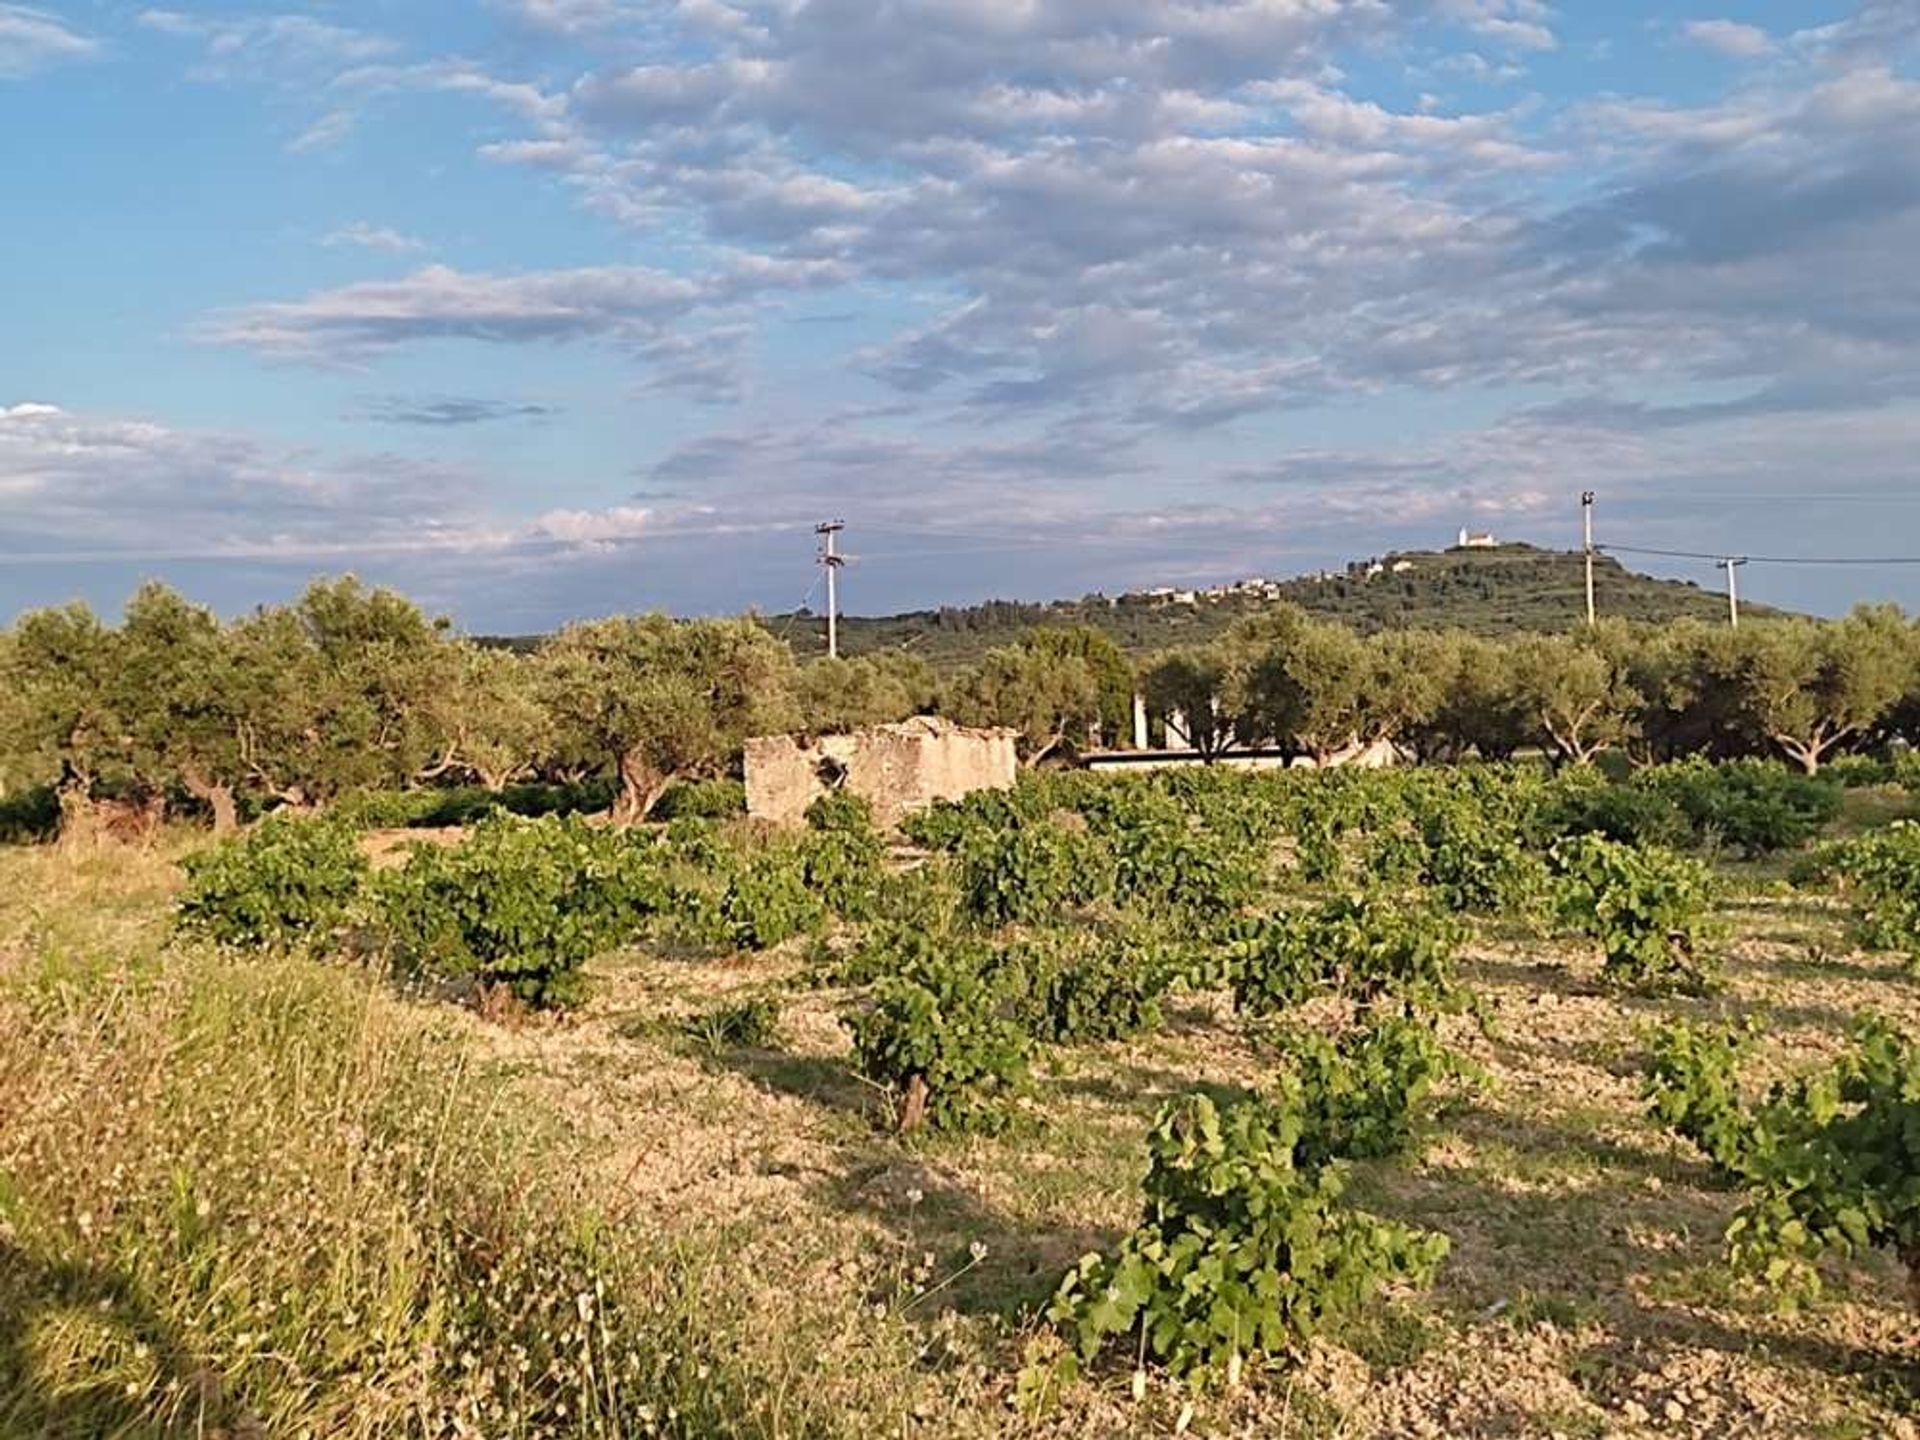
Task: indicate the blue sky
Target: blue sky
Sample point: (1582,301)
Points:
(549,308)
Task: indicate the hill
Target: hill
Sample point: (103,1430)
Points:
(1493,591)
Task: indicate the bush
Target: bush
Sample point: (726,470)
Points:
(444,806)
(749,1024)
(288,880)
(29,816)
(522,903)
(1478,828)
(933,1034)
(1756,806)
(1069,987)
(1693,1088)
(1241,1253)
(1859,772)
(840,810)
(1628,814)
(1367,947)
(1647,907)
(845,857)
(1369,1093)
(1025,874)
(1880,873)
(1163,862)
(768,899)
(719,799)
(946,824)
(1841,1149)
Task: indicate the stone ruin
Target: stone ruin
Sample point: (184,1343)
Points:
(896,768)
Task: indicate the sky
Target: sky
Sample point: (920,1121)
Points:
(545,309)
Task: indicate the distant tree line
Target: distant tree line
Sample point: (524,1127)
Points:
(352,688)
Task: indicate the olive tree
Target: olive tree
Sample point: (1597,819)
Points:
(1047,697)
(1476,710)
(1113,676)
(1574,695)
(180,695)
(1811,685)
(837,695)
(488,720)
(1201,682)
(60,670)
(1312,687)
(658,700)
(339,691)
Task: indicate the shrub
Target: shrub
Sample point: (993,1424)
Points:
(839,810)
(287,880)
(1367,1094)
(1757,806)
(947,824)
(1629,814)
(29,816)
(768,899)
(1479,844)
(1859,772)
(719,799)
(1693,1088)
(1842,1150)
(844,854)
(1646,906)
(522,903)
(1070,987)
(1906,770)
(933,1035)
(750,1024)
(1026,874)
(1241,1253)
(1880,872)
(1164,862)
(1367,947)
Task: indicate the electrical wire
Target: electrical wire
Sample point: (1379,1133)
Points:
(1719,557)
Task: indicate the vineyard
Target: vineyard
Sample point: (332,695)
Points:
(1479,1100)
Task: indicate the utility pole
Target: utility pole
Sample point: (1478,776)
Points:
(1586,525)
(829,531)
(1732,565)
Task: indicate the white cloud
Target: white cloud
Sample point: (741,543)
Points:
(330,131)
(1729,37)
(86,486)
(595,527)
(625,304)
(31,39)
(89,484)
(1520,24)
(383,238)
(269,48)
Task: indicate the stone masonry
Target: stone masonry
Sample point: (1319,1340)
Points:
(896,768)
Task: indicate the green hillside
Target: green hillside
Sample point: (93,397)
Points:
(1491,592)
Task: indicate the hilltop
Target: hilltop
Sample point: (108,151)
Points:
(1495,590)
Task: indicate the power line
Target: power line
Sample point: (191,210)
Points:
(1718,557)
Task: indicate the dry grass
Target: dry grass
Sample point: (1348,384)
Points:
(843,1272)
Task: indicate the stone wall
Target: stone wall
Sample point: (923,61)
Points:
(896,768)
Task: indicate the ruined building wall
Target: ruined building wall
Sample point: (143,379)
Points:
(897,768)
